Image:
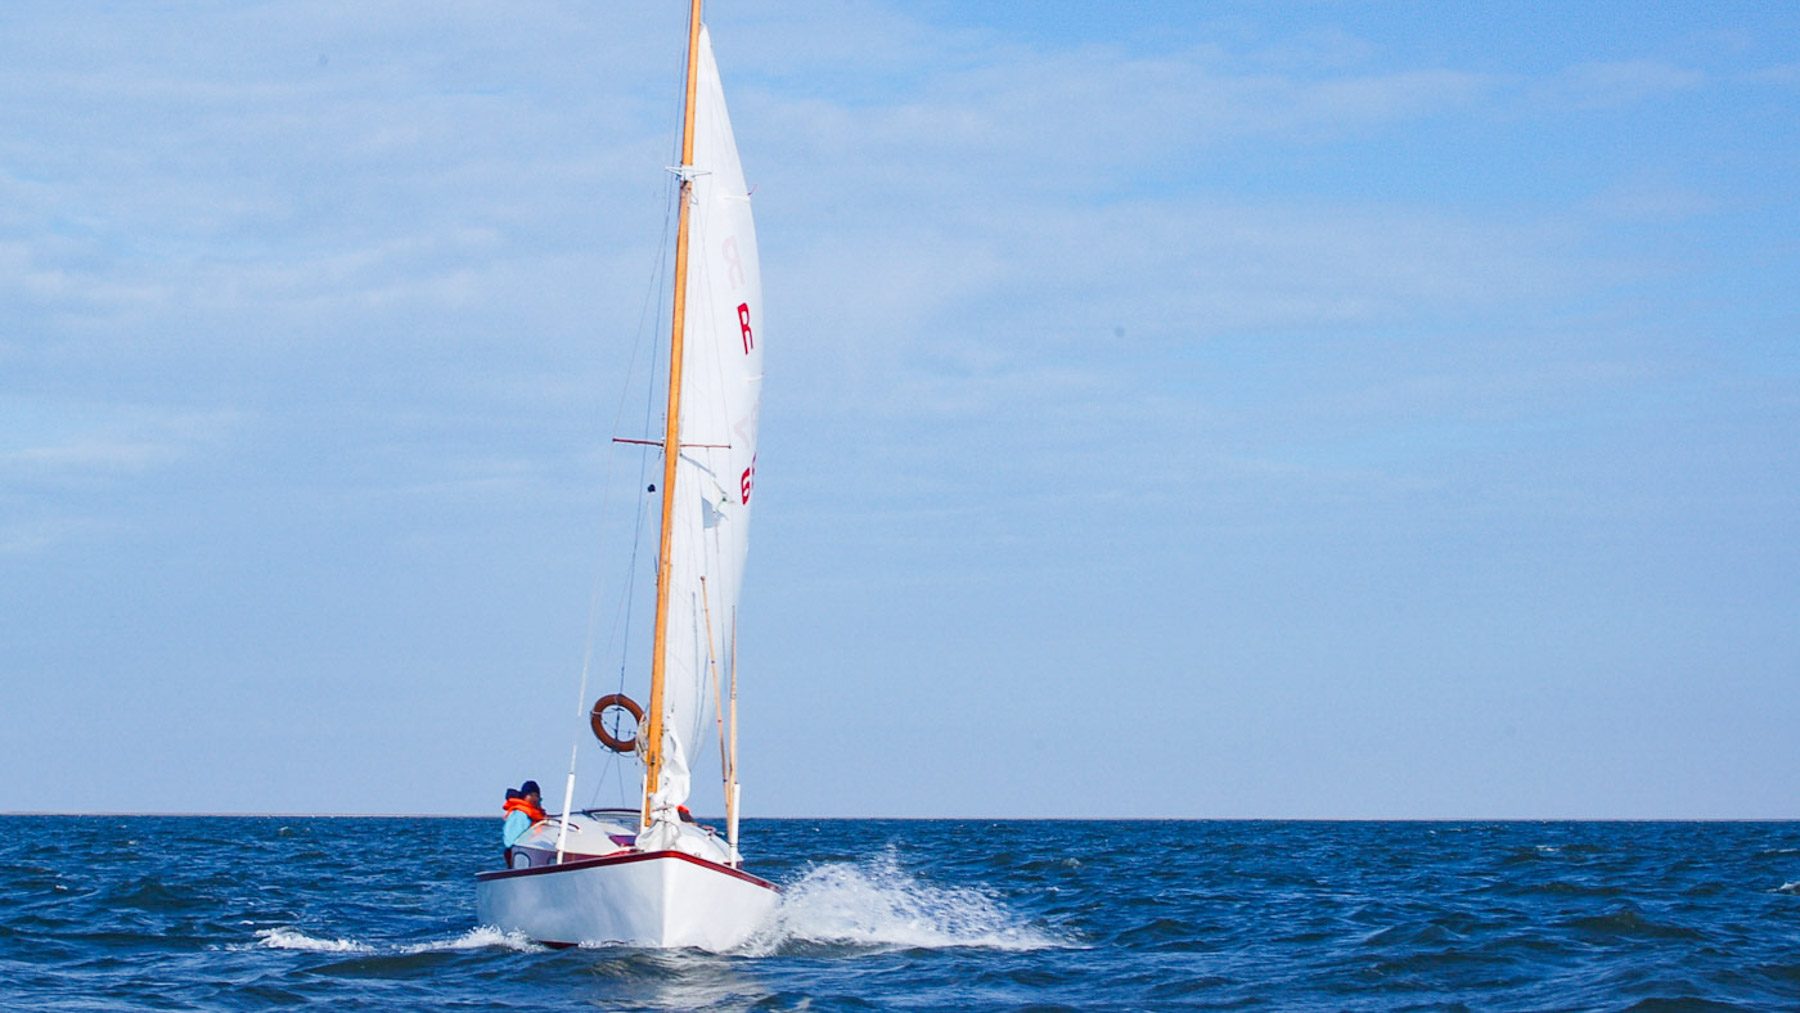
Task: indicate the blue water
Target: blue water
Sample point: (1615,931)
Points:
(247,913)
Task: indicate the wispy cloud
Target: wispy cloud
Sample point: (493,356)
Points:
(89,456)
(1654,200)
(114,442)
(1090,120)
(32,537)
(1781,74)
(1620,83)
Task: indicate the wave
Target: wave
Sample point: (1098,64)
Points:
(477,938)
(1788,888)
(294,939)
(480,937)
(878,905)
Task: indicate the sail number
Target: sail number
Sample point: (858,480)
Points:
(747,480)
(744,326)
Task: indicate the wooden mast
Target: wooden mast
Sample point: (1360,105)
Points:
(653,758)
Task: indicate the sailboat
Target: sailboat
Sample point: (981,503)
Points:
(650,875)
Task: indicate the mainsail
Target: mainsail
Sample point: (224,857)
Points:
(721,390)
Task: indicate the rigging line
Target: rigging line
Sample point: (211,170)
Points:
(685,445)
(653,296)
(637,533)
(731,777)
(622,626)
(712,666)
(623,620)
(594,599)
(620,633)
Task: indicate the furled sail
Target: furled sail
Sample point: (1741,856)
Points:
(720,396)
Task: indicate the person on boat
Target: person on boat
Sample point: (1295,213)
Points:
(523,808)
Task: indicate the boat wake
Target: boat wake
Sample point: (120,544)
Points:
(478,938)
(877,905)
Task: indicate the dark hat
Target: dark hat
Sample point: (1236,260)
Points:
(512,793)
(529,788)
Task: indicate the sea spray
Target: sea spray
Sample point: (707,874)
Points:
(878,905)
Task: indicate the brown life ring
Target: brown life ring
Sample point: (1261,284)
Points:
(608,739)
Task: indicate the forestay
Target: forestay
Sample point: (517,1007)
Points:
(720,398)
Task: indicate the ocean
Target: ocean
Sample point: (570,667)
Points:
(166,912)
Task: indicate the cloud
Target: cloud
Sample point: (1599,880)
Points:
(1092,120)
(434,194)
(1782,74)
(55,442)
(90,456)
(34,537)
(1027,285)
(1038,199)
(1653,200)
(1620,83)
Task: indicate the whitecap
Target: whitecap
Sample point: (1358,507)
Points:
(480,937)
(879,905)
(477,938)
(1793,888)
(294,939)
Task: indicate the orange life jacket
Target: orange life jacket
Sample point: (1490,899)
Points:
(523,805)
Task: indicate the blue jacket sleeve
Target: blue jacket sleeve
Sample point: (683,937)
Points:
(514,828)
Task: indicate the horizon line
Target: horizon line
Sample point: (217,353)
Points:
(945,819)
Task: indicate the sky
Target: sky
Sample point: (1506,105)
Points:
(1195,410)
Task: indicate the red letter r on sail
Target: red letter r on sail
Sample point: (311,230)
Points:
(744,326)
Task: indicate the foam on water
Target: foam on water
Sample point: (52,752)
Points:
(480,937)
(878,905)
(294,939)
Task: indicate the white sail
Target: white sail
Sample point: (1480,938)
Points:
(720,396)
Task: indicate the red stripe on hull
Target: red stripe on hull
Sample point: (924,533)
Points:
(626,859)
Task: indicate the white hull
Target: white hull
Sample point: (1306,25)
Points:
(660,898)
